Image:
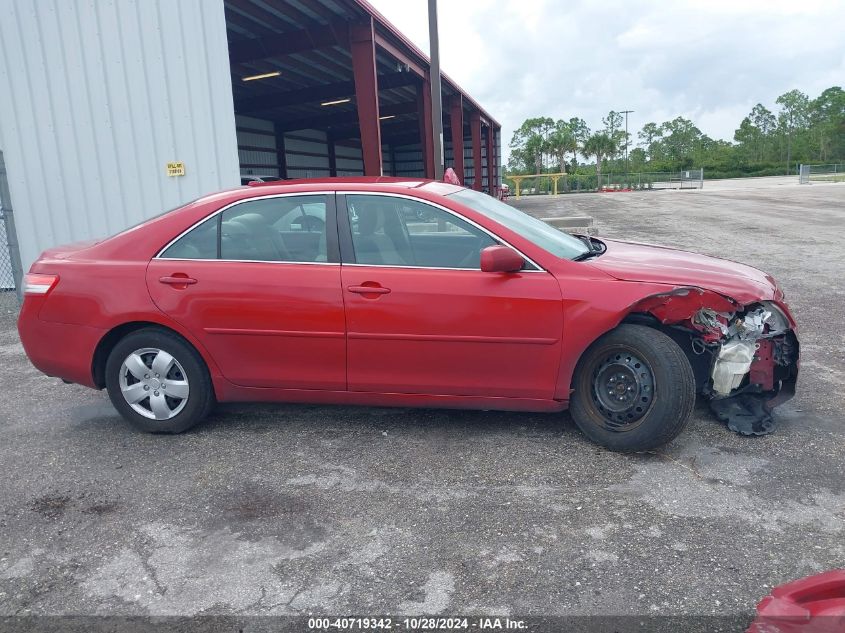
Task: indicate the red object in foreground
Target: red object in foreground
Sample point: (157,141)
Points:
(389,291)
(815,604)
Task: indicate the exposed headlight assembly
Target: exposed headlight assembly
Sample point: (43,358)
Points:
(776,319)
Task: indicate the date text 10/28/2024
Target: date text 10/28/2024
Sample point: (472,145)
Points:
(416,624)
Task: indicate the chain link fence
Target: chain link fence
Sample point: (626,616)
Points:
(584,183)
(832,172)
(10,272)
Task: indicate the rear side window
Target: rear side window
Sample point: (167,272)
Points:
(284,229)
(199,243)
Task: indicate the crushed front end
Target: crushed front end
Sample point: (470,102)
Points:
(754,364)
(746,357)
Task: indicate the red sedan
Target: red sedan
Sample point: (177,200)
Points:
(384,291)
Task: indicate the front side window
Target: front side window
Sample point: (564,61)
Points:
(391,231)
(284,229)
(543,235)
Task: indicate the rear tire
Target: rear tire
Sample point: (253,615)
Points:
(143,366)
(634,390)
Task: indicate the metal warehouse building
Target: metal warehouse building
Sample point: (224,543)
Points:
(112,111)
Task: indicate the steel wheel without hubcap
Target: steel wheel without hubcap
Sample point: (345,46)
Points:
(154,383)
(633,389)
(622,390)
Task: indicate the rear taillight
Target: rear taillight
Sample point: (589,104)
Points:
(35,284)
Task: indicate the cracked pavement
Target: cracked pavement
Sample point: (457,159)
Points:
(294,509)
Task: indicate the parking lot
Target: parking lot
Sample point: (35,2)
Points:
(270,509)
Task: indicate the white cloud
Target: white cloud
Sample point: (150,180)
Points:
(709,61)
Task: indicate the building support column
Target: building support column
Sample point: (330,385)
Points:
(475,129)
(363,49)
(281,157)
(456,122)
(424,117)
(332,157)
(491,162)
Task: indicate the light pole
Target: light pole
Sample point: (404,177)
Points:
(626,113)
(436,99)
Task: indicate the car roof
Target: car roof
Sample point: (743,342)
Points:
(356,183)
(406,183)
(361,184)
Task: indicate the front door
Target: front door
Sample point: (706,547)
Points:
(259,285)
(422,318)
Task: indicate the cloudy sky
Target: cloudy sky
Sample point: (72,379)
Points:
(707,60)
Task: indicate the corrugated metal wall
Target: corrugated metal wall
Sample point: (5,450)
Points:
(408,161)
(256,146)
(97,98)
(349,160)
(307,153)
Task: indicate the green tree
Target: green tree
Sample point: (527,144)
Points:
(651,136)
(582,133)
(792,119)
(681,140)
(746,138)
(799,129)
(562,140)
(530,143)
(827,122)
(637,158)
(613,127)
(765,125)
(601,145)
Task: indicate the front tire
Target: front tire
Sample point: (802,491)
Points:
(158,382)
(634,390)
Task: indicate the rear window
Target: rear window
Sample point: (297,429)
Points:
(154,217)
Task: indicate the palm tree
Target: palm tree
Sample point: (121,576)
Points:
(600,145)
(561,141)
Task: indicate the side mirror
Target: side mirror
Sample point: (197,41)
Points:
(500,259)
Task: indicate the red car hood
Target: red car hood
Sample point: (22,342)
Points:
(632,261)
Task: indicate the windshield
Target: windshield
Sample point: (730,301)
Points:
(546,237)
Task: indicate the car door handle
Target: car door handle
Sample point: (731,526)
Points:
(368,290)
(177,281)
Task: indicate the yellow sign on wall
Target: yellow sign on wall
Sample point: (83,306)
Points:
(176,168)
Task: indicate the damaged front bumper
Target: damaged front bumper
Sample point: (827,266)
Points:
(744,357)
(754,364)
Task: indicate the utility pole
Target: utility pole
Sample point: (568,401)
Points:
(436,99)
(626,113)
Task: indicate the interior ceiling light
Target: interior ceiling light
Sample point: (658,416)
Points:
(389,116)
(337,102)
(275,73)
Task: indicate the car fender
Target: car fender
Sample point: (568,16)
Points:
(593,307)
(106,298)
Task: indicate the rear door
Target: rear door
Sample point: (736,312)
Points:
(258,283)
(422,318)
